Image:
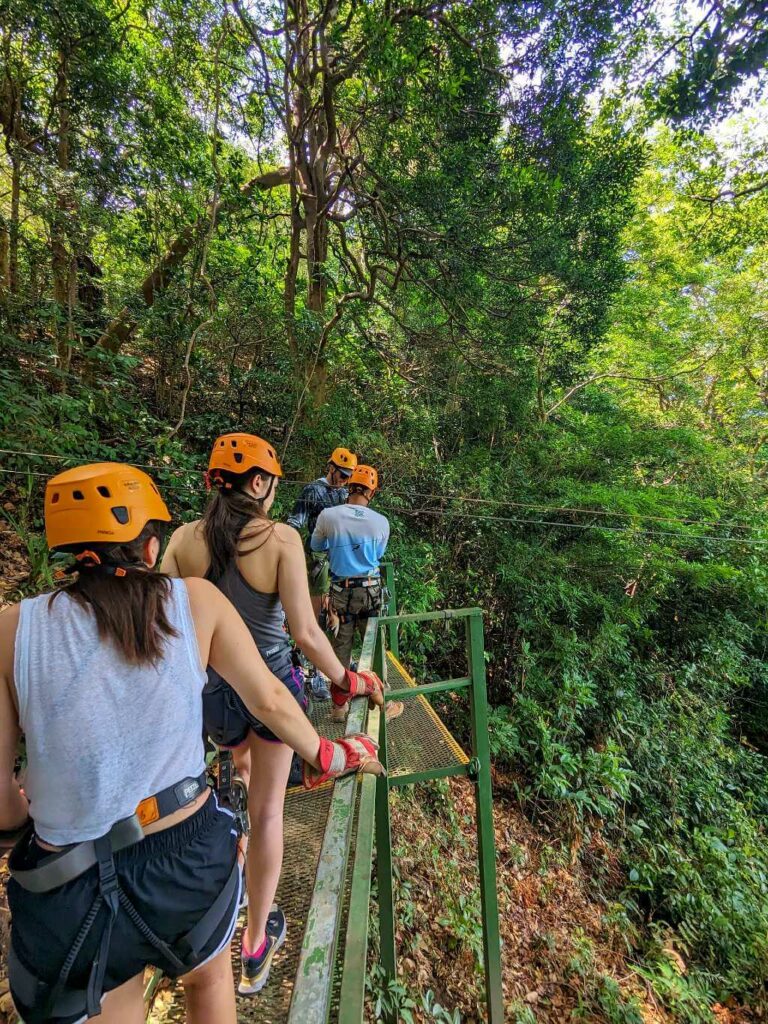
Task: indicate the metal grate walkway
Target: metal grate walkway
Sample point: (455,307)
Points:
(417,741)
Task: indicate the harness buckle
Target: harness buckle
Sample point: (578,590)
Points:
(107,874)
(148,811)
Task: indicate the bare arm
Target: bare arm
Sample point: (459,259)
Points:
(293,588)
(14,808)
(228,647)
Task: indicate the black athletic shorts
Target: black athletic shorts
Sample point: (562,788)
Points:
(171,877)
(228,721)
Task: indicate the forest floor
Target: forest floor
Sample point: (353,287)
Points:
(565,958)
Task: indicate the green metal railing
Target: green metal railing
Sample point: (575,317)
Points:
(330,980)
(374,816)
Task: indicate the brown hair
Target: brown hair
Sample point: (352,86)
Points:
(229,511)
(130,609)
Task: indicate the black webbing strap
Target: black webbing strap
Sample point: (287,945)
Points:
(61,1001)
(31,991)
(108,891)
(60,868)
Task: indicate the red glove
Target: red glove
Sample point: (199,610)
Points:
(354,753)
(358,684)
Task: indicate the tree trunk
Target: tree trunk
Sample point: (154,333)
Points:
(4,246)
(13,227)
(63,266)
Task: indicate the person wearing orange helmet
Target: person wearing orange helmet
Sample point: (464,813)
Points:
(126,859)
(355,538)
(325,492)
(259,565)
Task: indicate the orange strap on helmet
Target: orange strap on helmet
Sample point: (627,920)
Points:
(240,453)
(343,458)
(102,503)
(366,476)
(90,560)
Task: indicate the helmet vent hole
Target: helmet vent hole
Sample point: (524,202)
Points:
(104,491)
(55,498)
(120,512)
(238,457)
(78,495)
(233,443)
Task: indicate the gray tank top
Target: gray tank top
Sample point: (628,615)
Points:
(263,615)
(101,734)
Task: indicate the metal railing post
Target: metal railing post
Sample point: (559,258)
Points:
(388,950)
(389,582)
(484,813)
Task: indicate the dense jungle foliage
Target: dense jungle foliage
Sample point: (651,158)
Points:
(516,256)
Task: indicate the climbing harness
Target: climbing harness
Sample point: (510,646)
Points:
(60,999)
(374,602)
(357,581)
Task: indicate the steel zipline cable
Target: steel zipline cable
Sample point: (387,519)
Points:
(452,514)
(500,502)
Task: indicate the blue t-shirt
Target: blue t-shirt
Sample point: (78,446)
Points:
(355,538)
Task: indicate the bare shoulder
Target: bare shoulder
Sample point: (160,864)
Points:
(201,591)
(187,531)
(287,535)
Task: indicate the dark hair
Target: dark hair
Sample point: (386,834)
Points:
(130,609)
(358,489)
(229,511)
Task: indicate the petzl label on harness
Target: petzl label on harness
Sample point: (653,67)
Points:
(148,811)
(186,791)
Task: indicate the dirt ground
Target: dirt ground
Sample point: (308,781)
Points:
(557,943)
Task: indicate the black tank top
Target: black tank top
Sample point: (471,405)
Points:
(263,615)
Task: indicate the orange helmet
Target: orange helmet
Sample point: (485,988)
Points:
(237,453)
(365,476)
(106,502)
(343,458)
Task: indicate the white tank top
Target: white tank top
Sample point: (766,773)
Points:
(102,734)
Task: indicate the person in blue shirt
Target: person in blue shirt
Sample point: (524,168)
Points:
(355,538)
(325,492)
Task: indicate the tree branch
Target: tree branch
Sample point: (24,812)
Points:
(123,326)
(729,193)
(612,374)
